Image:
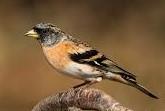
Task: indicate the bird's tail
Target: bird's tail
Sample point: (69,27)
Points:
(132,82)
(142,89)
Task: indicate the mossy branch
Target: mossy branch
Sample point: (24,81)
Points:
(80,99)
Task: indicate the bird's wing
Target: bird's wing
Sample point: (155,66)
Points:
(94,58)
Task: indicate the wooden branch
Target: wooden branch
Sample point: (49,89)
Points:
(80,99)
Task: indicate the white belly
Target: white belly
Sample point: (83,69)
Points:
(81,71)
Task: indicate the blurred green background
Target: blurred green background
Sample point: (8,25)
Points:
(131,32)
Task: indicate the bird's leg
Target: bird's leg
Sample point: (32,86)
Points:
(82,84)
(89,82)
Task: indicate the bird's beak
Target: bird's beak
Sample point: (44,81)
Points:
(32,33)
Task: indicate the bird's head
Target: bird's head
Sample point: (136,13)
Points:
(46,33)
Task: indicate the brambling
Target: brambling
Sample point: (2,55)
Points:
(77,59)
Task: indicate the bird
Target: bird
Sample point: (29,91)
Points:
(77,59)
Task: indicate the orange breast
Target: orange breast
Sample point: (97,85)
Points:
(57,55)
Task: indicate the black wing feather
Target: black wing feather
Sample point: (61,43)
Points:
(101,62)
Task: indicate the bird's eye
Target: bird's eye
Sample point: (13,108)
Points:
(37,29)
(43,31)
(56,33)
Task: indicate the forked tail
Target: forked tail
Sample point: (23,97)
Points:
(131,82)
(143,89)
